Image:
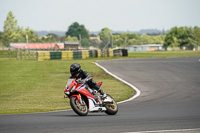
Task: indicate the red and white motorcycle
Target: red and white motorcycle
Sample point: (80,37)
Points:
(84,100)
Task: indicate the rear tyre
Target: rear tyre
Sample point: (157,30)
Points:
(80,109)
(111,108)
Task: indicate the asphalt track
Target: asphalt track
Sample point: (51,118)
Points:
(169,102)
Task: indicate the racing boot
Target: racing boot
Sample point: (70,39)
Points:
(104,95)
(98,99)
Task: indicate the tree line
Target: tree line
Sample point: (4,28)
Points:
(183,37)
(176,37)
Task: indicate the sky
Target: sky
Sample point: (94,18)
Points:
(117,15)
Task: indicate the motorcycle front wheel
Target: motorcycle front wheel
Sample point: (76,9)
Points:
(80,108)
(111,108)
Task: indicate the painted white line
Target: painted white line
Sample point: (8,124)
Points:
(37,112)
(133,87)
(165,131)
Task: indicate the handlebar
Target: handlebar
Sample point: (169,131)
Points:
(79,81)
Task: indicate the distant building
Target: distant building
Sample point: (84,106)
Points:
(95,38)
(4,48)
(37,45)
(92,48)
(143,48)
(71,45)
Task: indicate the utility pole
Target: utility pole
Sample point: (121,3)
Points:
(80,39)
(111,40)
(26,39)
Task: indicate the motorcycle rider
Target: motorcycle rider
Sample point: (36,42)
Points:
(78,73)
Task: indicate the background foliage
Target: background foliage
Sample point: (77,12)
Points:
(183,36)
(176,37)
(80,32)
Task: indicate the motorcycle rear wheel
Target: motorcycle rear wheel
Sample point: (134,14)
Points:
(80,109)
(111,108)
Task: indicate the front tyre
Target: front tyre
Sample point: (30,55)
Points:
(80,108)
(111,108)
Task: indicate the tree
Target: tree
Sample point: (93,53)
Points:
(18,35)
(63,38)
(151,39)
(76,30)
(117,40)
(10,27)
(10,24)
(85,42)
(94,42)
(1,36)
(73,30)
(145,39)
(79,31)
(133,36)
(190,38)
(197,35)
(69,38)
(127,39)
(182,36)
(175,36)
(49,38)
(32,37)
(174,42)
(134,42)
(124,37)
(105,36)
(14,33)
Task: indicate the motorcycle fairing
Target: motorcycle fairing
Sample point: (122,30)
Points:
(94,106)
(99,83)
(108,100)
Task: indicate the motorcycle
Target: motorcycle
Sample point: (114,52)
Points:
(83,99)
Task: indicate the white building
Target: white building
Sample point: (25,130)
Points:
(143,48)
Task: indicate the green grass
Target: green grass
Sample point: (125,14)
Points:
(8,54)
(163,54)
(28,86)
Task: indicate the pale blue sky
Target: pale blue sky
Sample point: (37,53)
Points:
(123,15)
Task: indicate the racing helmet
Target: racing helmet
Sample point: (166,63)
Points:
(75,68)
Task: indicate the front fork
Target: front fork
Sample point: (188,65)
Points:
(78,97)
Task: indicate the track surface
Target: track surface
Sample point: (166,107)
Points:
(169,100)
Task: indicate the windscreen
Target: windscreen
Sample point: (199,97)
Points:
(69,82)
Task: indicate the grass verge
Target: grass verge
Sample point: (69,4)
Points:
(163,54)
(28,86)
